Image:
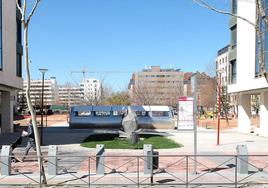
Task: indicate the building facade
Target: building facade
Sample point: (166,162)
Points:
(187,91)
(222,64)
(50,92)
(70,95)
(156,86)
(88,92)
(206,90)
(222,74)
(10,62)
(91,90)
(248,75)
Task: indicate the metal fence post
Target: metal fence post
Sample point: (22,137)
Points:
(236,171)
(148,162)
(52,165)
(89,172)
(40,174)
(100,159)
(138,171)
(187,171)
(242,161)
(6,160)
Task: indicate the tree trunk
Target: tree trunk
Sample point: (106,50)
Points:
(29,103)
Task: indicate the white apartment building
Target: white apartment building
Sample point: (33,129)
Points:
(91,91)
(245,75)
(10,62)
(222,63)
(88,92)
(222,73)
(50,91)
(70,95)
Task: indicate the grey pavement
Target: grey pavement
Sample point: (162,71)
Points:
(73,155)
(229,139)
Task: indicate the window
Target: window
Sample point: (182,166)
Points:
(233,72)
(119,113)
(263,40)
(18,31)
(233,37)
(160,113)
(18,65)
(141,113)
(83,114)
(102,113)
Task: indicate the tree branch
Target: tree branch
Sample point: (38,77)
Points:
(32,11)
(206,5)
(24,9)
(19,8)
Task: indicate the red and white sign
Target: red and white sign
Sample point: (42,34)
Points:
(185,113)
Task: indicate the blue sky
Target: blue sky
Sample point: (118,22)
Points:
(123,35)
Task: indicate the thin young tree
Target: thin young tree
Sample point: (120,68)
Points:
(25,21)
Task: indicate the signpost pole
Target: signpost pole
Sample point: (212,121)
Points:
(219,111)
(187,116)
(195,122)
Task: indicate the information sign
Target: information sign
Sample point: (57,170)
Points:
(185,113)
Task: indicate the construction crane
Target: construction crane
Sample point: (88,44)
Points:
(82,71)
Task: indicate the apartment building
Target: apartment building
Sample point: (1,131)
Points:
(205,87)
(156,86)
(222,74)
(50,92)
(91,89)
(88,92)
(222,63)
(248,74)
(70,95)
(10,62)
(187,91)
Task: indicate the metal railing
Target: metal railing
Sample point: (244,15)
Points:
(128,170)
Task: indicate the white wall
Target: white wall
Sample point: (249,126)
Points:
(8,74)
(246,51)
(222,67)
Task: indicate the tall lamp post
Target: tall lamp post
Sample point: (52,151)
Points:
(43,71)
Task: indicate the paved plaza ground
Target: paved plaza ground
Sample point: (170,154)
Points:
(74,160)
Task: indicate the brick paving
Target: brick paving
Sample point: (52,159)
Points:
(74,164)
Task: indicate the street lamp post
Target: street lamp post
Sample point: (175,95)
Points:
(43,71)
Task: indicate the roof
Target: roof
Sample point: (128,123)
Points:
(150,108)
(187,75)
(223,50)
(120,108)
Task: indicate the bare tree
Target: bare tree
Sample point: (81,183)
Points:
(25,20)
(160,92)
(260,16)
(70,94)
(119,98)
(106,92)
(142,94)
(211,69)
(97,96)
